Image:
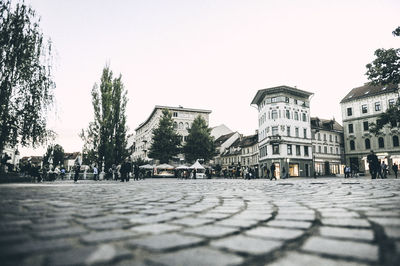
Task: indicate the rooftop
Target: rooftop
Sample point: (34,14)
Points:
(290,90)
(368,90)
(325,124)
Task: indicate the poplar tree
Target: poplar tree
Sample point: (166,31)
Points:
(199,143)
(165,141)
(26,85)
(106,138)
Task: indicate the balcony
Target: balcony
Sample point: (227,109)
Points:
(274,139)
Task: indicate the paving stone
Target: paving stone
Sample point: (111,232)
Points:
(101,219)
(155,228)
(275,233)
(260,216)
(214,215)
(211,231)
(386,221)
(108,225)
(392,232)
(63,232)
(192,221)
(356,234)
(245,244)
(346,222)
(32,247)
(236,222)
(98,237)
(297,217)
(340,248)
(50,226)
(165,241)
(295,259)
(289,224)
(14,238)
(88,255)
(197,256)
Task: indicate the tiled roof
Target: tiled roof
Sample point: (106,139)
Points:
(223,138)
(249,140)
(368,90)
(326,124)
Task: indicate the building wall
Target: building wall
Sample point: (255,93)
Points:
(389,153)
(328,152)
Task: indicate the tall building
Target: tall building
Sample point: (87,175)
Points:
(361,107)
(183,119)
(328,147)
(284,131)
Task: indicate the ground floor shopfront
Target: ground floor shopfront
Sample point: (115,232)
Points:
(328,167)
(286,166)
(361,163)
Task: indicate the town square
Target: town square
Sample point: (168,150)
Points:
(216,132)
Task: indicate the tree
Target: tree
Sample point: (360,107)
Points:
(165,142)
(57,153)
(199,143)
(26,85)
(385,70)
(106,138)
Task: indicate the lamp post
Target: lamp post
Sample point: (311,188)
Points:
(313,152)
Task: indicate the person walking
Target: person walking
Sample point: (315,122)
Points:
(384,170)
(284,173)
(395,168)
(273,172)
(347,171)
(95,173)
(373,164)
(77,169)
(124,170)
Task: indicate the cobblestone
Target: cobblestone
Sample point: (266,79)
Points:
(201,222)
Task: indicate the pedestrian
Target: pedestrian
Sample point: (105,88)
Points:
(194,173)
(395,168)
(268,173)
(283,172)
(347,171)
(273,171)
(95,173)
(62,173)
(77,169)
(124,170)
(136,172)
(373,164)
(384,169)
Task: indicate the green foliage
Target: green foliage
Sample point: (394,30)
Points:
(57,153)
(166,141)
(199,143)
(106,137)
(26,85)
(139,161)
(391,118)
(385,69)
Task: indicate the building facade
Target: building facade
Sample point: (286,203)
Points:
(183,119)
(361,107)
(284,131)
(328,147)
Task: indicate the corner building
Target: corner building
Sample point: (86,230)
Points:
(284,131)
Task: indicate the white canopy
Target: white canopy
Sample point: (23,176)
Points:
(164,166)
(146,166)
(180,167)
(197,165)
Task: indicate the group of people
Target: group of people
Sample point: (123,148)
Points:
(188,174)
(379,169)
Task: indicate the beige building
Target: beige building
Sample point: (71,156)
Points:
(328,148)
(183,119)
(361,107)
(284,132)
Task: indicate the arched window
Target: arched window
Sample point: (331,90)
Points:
(180,125)
(186,125)
(296,116)
(175,125)
(381,143)
(352,145)
(395,141)
(367,144)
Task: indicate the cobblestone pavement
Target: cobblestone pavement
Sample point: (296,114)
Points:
(201,222)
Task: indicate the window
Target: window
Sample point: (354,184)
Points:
(352,145)
(289,149)
(337,150)
(296,132)
(313,149)
(175,125)
(287,114)
(377,106)
(305,150)
(351,130)
(349,111)
(336,140)
(186,125)
(365,125)
(330,138)
(296,116)
(381,143)
(367,144)
(286,99)
(395,141)
(364,109)
(319,136)
(305,132)
(275,148)
(319,149)
(325,149)
(288,131)
(274,99)
(274,114)
(274,131)
(324,137)
(298,150)
(331,150)
(304,117)
(391,102)
(180,125)
(175,114)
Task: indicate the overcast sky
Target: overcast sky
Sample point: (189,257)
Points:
(209,54)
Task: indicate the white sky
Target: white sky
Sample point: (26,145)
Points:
(209,54)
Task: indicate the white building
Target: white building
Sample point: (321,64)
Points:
(328,147)
(361,107)
(284,132)
(220,130)
(183,119)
